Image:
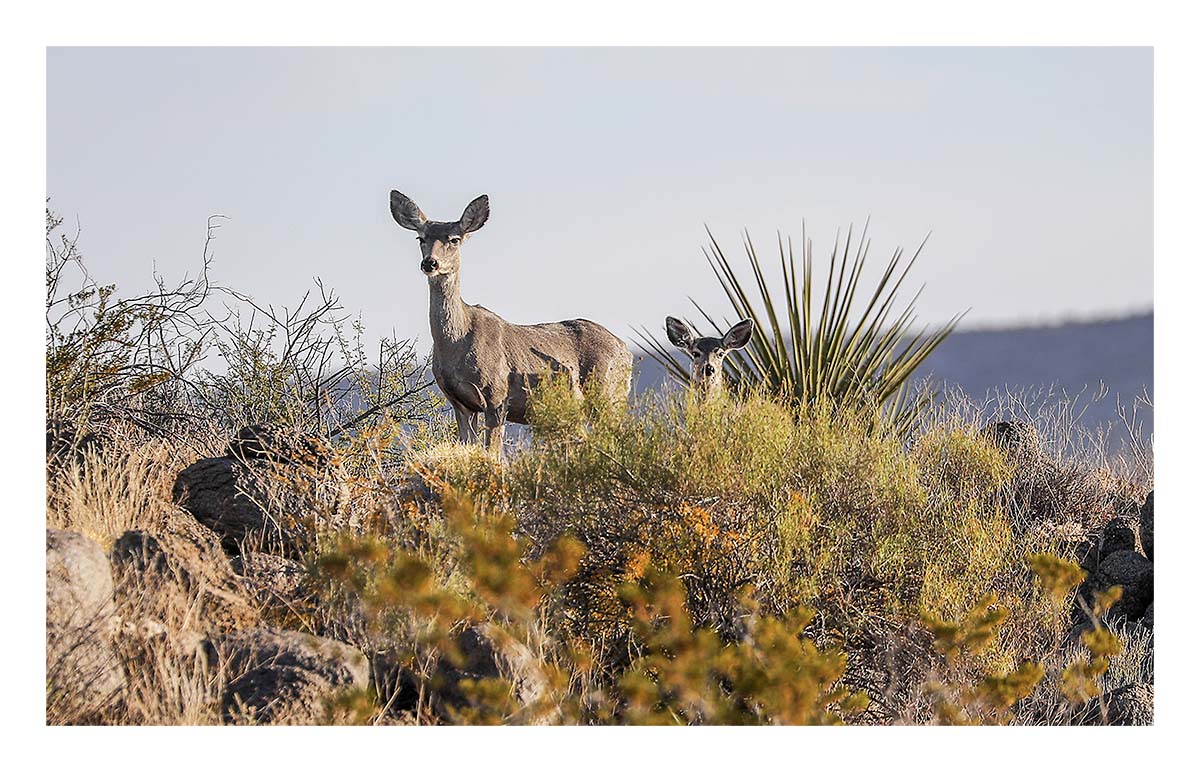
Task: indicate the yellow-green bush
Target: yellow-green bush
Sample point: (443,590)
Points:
(958,462)
(815,510)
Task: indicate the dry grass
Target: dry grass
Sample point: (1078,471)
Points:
(158,626)
(158,636)
(118,487)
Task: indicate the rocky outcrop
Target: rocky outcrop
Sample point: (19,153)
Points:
(245,498)
(82,670)
(285,677)
(189,557)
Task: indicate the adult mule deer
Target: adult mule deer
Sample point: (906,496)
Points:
(708,354)
(484,364)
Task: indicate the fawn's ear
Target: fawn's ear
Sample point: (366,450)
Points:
(407,214)
(678,333)
(738,335)
(475,215)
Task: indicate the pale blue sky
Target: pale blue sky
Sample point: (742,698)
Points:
(1032,167)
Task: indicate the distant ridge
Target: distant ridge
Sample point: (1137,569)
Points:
(1119,352)
(1071,356)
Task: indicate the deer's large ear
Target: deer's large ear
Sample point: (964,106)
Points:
(678,333)
(407,214)
(475,215)
(738,335)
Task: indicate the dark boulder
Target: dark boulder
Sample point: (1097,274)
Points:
(263,494)
(232,498)
(1135,574)
(285,677)
(1119,534)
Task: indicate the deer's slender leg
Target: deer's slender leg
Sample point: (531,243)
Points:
(468,425)
(493,422)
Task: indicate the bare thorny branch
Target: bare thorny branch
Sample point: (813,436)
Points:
(205,355)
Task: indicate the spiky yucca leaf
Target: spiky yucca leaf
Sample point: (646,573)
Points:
(801,353)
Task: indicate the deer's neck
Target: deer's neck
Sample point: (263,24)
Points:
(447,313)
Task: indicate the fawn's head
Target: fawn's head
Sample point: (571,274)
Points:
(441,242)
(708,354)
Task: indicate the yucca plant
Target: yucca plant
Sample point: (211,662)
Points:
(801,353)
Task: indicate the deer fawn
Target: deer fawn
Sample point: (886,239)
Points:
(486,365)
(708,354)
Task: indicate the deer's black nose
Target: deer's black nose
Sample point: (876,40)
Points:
(429,265)
(709,371)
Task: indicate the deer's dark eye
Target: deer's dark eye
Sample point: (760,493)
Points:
(454,240)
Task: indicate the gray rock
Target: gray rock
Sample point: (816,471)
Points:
(278,445)
(189,557)
(285,677)
(82,670)
(261,504)
(1119,534)
(487,652)
(1146,525)
(219,493)
(1135,575)
(227,496)
(1131,705)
